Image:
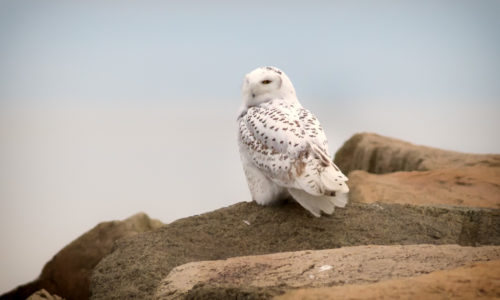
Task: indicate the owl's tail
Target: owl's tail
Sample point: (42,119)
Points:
(318,204)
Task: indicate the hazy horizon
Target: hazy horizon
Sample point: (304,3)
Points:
(107,110)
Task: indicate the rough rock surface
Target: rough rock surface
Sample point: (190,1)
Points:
(477,281)
(43,295)
(283,271)
(378,154)
(138,264)
(68,273)
(476,186)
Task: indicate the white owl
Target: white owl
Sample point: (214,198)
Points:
(283,148)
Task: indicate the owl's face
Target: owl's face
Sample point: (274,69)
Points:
(264,84)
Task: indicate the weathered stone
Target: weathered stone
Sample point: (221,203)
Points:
(139,263)
(276,273)
(378,154)
(477,281)
(468,186)
(68,273)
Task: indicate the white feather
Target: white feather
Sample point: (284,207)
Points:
(318,204)
(334,180)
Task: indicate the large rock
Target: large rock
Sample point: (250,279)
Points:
(276,273)
(378,154)
(476,186)
(68,273)
(138,264)
(477,281)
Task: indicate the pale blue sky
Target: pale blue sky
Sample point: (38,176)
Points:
(108,108)
(153,51)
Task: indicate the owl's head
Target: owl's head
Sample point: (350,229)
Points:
(265,84)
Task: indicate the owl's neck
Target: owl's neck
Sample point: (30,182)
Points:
(246,105)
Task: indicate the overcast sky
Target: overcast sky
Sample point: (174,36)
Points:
(109,108)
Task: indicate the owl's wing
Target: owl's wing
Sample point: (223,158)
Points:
(287,143)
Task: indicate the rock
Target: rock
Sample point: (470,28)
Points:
(68,273)
(43,295)
(477,281)
(378,154)
(137,265)
(443,177)
(468,186)
(276,273)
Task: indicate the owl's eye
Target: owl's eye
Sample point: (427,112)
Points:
(266,81)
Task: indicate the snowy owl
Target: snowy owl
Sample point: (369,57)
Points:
(283,147)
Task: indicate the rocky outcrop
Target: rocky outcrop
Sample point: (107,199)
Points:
(68,273)
(378,154)
(379,214)
(139,263)
(274,274)
(477,281)
(468,186)
(401,195)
